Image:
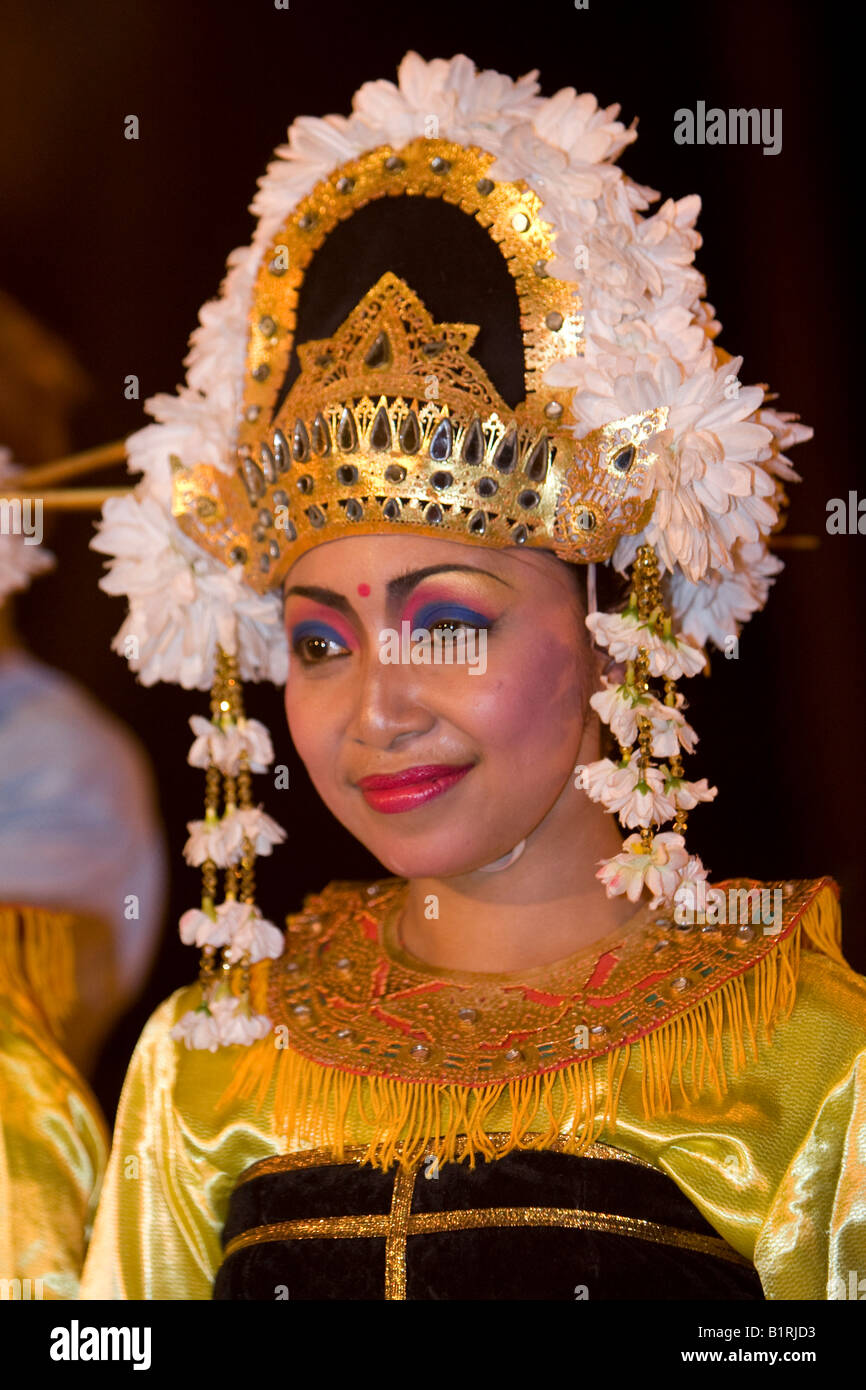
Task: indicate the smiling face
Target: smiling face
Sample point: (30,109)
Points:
(437,767)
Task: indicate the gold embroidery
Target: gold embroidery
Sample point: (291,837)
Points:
(426,1223)
(398,1226)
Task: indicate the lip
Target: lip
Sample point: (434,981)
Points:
(414,786)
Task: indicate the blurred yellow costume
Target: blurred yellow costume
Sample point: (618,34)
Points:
(53,1140)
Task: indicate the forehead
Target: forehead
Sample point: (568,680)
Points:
(375,560)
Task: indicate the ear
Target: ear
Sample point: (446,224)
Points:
(614,670)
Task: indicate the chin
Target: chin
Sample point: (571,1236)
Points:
(430,856)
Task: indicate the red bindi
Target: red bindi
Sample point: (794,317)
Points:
(364,590)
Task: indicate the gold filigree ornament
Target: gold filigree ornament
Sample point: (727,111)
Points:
(392,422)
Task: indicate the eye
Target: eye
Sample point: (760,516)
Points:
(314,644)
(314,650)
(450,618)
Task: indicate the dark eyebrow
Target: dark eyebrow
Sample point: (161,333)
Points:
(328,596)
(398,588)
(404,583)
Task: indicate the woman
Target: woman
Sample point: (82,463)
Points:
(456,374)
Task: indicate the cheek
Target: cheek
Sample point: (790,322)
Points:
(532,701)
(314,722)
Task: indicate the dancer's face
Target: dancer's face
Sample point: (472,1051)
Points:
(492,736)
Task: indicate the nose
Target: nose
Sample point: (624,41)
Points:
(388,710)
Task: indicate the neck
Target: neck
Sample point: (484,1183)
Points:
(547,905)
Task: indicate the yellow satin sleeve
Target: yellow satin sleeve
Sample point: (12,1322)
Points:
(775,1163)
(53,1149)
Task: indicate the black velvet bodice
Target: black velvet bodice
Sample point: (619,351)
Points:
(528,1225)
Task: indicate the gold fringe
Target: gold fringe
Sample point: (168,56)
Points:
(315,1105)
(37,957)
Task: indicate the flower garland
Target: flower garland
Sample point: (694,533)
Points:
(644,794)
(229,747)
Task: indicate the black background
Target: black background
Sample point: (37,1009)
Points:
(115,244)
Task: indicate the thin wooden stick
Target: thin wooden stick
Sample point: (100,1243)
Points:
(70,499)
(794,542)
(61,469)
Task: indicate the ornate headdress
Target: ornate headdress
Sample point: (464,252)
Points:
(455,316)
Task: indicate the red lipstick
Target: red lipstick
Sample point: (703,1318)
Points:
(414,786)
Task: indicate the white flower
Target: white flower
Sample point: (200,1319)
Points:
(619,706)
(236,1025)
(711,491)
(786,431)
(256,939)
(257,827)
(621,633)
(214,839)
(182,603)
(223,747)
(197,928)
(222,839)
(467,105)
(220,1022)
(658,870)
(715,609)
(636,795)
(690,895)
(207,745)
(670,730)
(675,657)
(198,1030)
(594,777)
(686,795)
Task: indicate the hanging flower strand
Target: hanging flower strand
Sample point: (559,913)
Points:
(226,747)
(643,793)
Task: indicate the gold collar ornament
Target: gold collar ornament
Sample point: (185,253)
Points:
(365,1029)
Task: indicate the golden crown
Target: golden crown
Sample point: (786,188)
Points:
(391,421)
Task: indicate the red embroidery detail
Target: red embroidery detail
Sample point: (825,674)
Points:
(370,928)
(598,1001)
(400,1024)
(603,967)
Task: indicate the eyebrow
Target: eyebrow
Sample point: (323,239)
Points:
(398,588)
